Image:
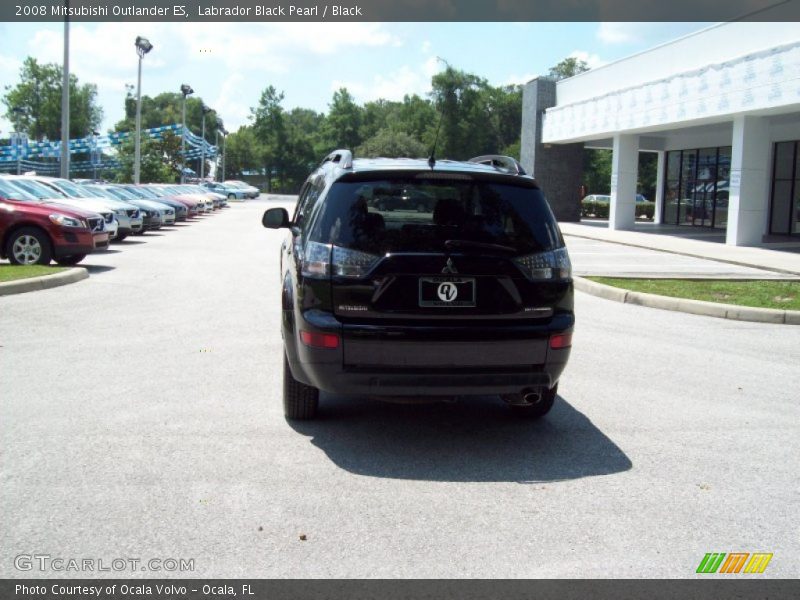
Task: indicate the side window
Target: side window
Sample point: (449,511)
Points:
(301,200)
(308,202)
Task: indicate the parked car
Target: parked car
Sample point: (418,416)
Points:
(180,208)
(44,192)
(475,297)
(155,192)
(251,190)
(127,215)
(33,231)
(220,200)
(204,203)
(211,199)
(160,214)
(232,193)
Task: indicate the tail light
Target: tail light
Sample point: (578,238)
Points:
(321,260)
(546,265)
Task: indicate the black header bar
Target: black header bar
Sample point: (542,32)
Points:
(400,10)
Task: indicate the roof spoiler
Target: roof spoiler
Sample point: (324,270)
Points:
(498,161)
(342,157)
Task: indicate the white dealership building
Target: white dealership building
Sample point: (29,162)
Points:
(720,107)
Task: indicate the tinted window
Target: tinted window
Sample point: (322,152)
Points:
(397,215)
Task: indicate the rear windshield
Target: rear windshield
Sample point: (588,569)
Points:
(401,215)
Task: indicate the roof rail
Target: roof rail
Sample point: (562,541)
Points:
(342,157)
(507,163)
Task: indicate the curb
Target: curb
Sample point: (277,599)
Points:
(43,282)
(695,307)
(738,263)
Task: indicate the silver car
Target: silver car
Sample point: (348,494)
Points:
(128,215)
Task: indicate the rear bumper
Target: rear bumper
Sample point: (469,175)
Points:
(428,361)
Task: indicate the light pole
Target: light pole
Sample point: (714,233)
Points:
(143,46)
(206,110)
(95,154)
(65,103)
(16,135)
(221,129)
(186,90)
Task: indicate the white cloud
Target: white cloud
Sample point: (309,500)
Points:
(591,60)
(514,79)
(425,47)
(619,33)
(229,101)
(394,85)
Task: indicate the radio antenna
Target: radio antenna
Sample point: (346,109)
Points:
(432,157)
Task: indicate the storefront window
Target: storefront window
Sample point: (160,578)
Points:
(697,187)
(785,198)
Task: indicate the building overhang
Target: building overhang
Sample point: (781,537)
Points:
(766,82)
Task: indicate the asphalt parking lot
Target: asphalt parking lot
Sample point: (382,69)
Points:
(142,417)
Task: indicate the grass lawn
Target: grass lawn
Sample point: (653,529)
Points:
(763,294)
(12,272)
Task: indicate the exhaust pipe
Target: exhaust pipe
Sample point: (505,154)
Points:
(525,398)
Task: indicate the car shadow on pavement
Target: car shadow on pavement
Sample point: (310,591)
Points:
(97,269)
(475,439)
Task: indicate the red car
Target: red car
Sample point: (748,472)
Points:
(34,231)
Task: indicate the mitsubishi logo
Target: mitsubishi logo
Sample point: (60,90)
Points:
(447,291)
(449,268)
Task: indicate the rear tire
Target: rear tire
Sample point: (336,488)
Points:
(300,401)
(68,261)
(538,410)
(120,237)
(29,246)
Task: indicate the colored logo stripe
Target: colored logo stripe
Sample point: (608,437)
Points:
(710,562)
(758,562)
(734,562)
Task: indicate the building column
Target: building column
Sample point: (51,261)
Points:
(661,171)
(748,205)
(624,172)
(557,167)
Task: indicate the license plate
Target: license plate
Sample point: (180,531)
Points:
(444,292)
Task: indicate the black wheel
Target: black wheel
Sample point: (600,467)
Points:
(231,197)
(540,408)
(300,401)
(72,259)
(29,246)
(421,207)
(120,237)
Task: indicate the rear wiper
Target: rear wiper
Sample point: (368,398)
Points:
(478,245)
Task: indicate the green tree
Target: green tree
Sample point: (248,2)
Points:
(597,171)
(269,127)
(303,147)
(242,153)
(568,67)
(38,93)
(343,123)
(388,143)
(160,160)
(476,117)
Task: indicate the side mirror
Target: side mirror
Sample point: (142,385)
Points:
(276,218)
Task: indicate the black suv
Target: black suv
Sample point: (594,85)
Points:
(469,292)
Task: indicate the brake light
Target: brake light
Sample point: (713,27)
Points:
(561,340)
(542,266)
(319,340)
(320,260)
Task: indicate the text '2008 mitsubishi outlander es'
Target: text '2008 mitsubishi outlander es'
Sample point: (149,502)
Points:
(464,287)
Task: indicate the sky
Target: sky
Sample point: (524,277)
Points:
(229,64)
